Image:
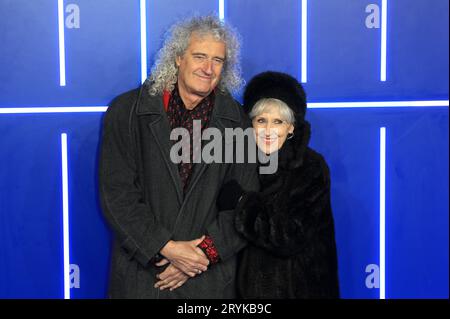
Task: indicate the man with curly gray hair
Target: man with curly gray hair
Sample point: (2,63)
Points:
(164,74)
(170,240)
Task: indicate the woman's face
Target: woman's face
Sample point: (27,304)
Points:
(271,130)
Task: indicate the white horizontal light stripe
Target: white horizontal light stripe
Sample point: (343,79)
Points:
(55,109)
(325,105)
(380,104)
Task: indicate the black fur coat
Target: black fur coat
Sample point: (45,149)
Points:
(290,228)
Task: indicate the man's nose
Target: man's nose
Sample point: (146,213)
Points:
(207,67)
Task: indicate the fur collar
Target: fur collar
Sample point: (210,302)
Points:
(292,152)
(290,157)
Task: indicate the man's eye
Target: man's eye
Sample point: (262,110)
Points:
(218,61)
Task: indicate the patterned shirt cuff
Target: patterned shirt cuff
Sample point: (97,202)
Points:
(207,245)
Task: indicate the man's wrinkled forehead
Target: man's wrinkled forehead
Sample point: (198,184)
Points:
(201,36)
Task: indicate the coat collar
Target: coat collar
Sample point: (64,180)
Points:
(298,144)
(153,104)
(290,156)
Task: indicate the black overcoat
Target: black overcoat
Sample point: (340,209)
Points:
(290,228)
(142,197)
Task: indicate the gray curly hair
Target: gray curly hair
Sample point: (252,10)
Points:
(164,72)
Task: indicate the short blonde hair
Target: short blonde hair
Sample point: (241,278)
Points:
(265,104)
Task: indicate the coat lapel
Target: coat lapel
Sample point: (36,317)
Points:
(158,124)
(224,111)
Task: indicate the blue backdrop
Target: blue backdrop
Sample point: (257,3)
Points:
(343,60)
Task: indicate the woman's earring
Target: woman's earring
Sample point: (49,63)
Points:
(290,135)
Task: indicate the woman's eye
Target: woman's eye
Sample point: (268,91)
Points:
(260,120)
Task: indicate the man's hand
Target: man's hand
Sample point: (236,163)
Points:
(186,256)
(171,277)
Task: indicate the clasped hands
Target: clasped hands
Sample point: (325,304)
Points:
(186,260)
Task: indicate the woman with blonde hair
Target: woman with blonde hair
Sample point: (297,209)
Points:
(291,251)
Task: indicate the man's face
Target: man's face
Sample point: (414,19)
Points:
(200,67)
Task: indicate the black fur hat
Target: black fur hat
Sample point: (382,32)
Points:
(276,85)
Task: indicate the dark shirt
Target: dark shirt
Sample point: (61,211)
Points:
(180,117)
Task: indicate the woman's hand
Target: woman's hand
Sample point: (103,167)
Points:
(229,195)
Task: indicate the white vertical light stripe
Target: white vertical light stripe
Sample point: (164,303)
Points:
(62,49)
(382,213)
(143,11)
(304,40)
(65,192)
(222,10)
(383,40)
